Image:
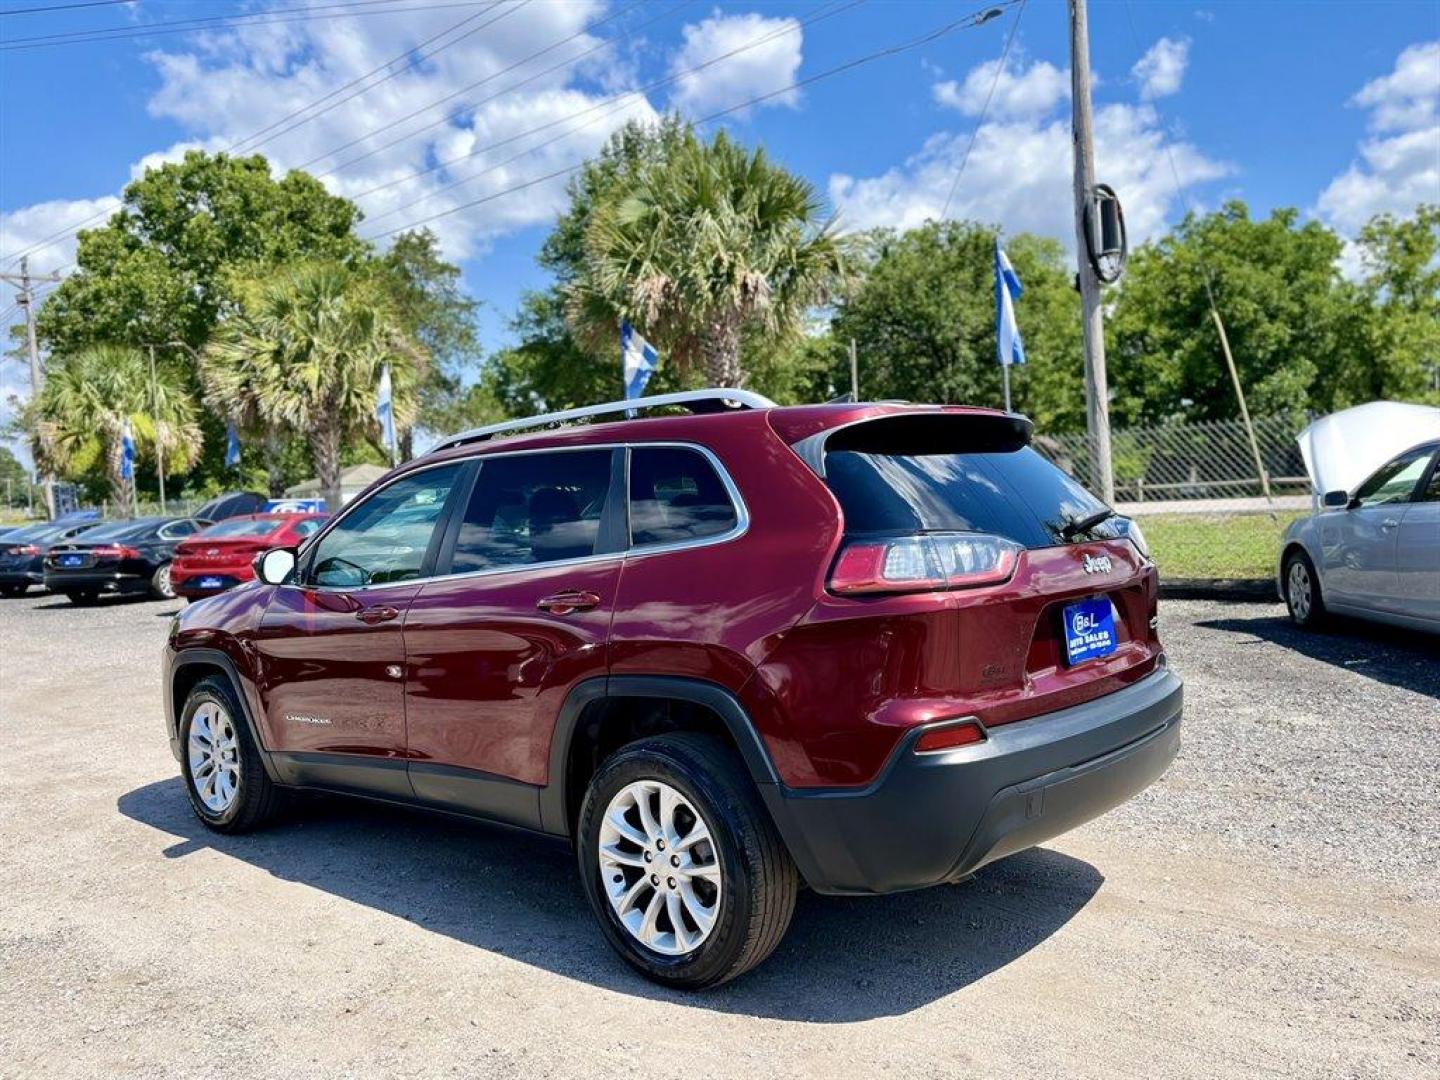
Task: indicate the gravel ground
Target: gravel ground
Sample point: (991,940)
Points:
(1267,909)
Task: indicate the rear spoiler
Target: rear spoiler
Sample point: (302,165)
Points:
(918,433)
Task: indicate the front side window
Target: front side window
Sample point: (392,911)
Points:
(385,538)
(676,496)
(1395,481)
(528,509)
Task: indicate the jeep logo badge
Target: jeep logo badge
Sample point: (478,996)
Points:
(1099,564)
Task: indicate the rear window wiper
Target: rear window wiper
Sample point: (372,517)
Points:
(1072,529)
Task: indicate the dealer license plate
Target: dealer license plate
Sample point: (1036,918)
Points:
(1089,630)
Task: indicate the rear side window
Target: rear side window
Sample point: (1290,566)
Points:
(675,496)
(1015,494)
(533,508)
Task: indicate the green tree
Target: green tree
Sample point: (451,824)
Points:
(433,310)
(1289,316)
(88,398)
(699,248)
(1397,347)
(923,319)
(305,354)
(14,480)
(166,266)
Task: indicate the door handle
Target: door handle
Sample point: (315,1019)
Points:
(566,603)
(370,616)
(1388,524)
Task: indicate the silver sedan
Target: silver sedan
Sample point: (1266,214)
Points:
(1374,554)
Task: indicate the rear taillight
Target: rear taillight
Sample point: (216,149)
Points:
(115,551)
(27,549)
(949,737)
(924,562)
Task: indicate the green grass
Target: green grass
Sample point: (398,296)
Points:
(1216,546)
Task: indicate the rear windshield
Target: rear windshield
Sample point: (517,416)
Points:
(240,527)
(1016,494)
(117,530)
(33,532)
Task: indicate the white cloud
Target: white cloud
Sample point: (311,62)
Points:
(760,70)
(1161,70)
(1399,164)
(38,223)
(1033,91)
(226,85)
(1019,175)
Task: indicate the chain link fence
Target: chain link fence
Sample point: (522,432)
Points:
(1197,493)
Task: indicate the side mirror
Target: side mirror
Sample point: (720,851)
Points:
(1335,500)
(274,566)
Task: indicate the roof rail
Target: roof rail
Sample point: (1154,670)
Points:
(697,401)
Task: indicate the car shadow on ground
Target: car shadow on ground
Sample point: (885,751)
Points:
(843,960)
(1404,658)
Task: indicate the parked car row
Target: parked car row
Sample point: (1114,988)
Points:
(163,557)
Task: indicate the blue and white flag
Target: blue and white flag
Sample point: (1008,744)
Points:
(127,452)
(385,411)
(1007,331)
(232,446)
(638,361)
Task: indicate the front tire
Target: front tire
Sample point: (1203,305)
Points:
(224,776)
(680,862)
(1302,591)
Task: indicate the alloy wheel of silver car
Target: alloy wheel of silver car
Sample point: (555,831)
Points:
(659,867)
(1298,588)
(214,757)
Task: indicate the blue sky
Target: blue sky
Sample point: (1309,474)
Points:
(1330,107)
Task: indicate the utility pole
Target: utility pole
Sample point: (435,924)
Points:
(159,442)
(854,372)
(1097,404)
(26,300)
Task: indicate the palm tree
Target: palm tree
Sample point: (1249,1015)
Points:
(700,246)
(305,353)
(90,395)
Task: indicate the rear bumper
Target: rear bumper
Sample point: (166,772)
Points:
(936,817)
(99,581)
(21,577)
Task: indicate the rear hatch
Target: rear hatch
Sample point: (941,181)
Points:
(979,578)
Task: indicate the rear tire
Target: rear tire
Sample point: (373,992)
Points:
(12,591)
(1302,591)
(755,883)
(161,587)
(233,793)
(84,598)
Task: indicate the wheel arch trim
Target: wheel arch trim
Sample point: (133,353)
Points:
(555,814)
(214,658)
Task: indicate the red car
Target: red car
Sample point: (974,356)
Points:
(219,558)
(861,647)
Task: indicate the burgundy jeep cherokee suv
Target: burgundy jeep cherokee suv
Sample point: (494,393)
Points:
(860,647)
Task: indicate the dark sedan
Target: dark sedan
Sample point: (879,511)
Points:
(125,558)
(22,552)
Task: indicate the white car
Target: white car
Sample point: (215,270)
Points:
(1371,545)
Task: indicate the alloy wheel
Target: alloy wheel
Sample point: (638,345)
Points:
(162,582)
(214,757)
(1299,590)
(659,867)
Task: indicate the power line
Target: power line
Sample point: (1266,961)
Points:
(818,15)
(985,109)
(373,71)
(399,71)
(69,230)
(466,89)
(62,7)
(349,8)
(974,19)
